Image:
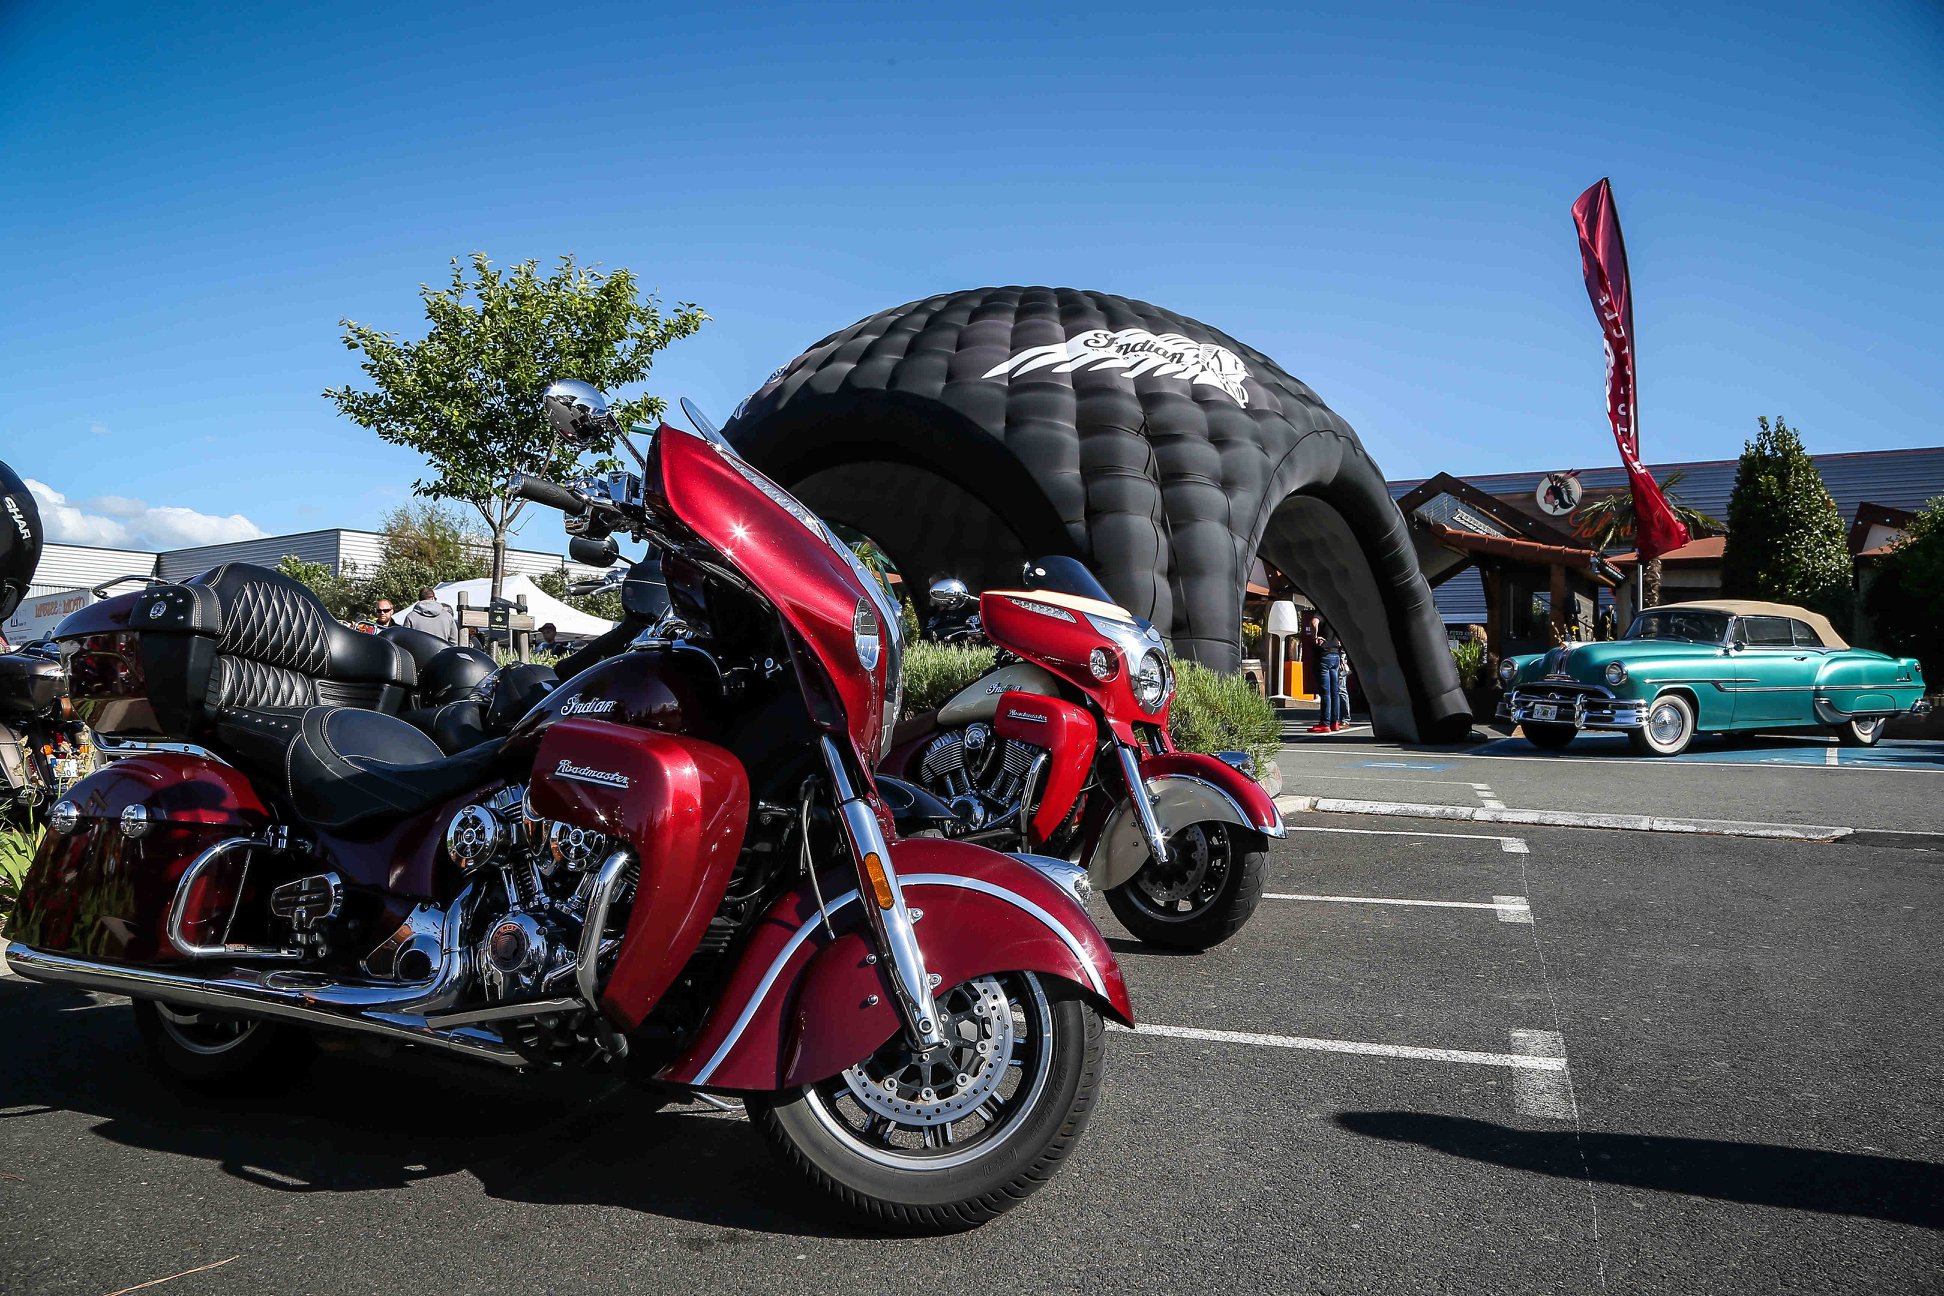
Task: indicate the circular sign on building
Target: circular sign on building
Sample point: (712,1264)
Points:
(1559,493)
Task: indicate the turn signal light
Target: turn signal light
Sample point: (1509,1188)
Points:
(880,884)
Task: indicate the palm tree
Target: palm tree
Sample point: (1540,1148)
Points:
(1609,522)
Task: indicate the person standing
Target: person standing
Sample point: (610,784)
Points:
(1329,655)
(431,616)
(1343,690)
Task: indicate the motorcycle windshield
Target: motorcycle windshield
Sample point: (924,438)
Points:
(839,612)
(1062,575)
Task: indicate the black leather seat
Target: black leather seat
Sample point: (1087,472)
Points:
(343,769)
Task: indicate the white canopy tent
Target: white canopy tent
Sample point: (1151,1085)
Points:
(541,606)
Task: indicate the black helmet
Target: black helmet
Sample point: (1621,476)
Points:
(20,540)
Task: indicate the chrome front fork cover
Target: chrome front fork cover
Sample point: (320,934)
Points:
(1137,796)
(896,939)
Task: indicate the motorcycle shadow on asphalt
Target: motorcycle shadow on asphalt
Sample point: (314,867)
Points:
(354,1123)
(1858,1184)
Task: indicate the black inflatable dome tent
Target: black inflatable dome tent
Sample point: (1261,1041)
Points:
(970,430)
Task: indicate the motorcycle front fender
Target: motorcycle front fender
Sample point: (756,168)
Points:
(1185,788)
(803,1005)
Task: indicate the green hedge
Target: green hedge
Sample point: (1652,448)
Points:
(934,672)
(16,853)
(1214,713)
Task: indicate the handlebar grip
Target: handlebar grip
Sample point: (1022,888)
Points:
(552,494)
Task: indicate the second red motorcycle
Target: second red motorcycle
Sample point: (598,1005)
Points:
(1063,749)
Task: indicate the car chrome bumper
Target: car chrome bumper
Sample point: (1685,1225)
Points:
(1579,706)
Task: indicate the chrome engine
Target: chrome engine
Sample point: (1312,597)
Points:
(986,779)
(530,882)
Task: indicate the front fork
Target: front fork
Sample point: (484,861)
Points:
(1137,796)
(883,900)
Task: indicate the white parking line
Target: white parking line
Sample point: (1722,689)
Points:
(1515,1061)
(1486,797)
(1503,904)
(1564,819)
(1392,778)
(1547,1093)
(1510,845)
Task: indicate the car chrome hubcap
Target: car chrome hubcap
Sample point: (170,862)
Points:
(1666,723)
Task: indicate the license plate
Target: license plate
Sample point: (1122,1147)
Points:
(1544,711)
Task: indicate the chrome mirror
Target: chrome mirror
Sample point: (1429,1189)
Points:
(949,593)
(579,412)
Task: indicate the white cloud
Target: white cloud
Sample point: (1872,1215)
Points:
(116,522)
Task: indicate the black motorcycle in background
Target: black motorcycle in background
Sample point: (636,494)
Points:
(42,747)
(954,615)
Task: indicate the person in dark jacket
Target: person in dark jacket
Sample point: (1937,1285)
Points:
(1329,687)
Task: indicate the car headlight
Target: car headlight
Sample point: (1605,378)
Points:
(1151,683)
(1508,669)
(1616,673)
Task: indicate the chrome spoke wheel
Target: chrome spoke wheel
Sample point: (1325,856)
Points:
(956,1103)
(204,1033)
(1199,859)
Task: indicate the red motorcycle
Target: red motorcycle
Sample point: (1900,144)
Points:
(678,861)
(1063,749)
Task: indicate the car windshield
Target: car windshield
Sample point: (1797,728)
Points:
(1694,627)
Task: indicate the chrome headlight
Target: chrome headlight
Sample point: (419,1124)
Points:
(1102,664)
(1152,683)
(864,633)
(1508,670)
(1616,673)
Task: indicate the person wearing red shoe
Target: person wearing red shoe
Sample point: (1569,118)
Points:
(1330,685)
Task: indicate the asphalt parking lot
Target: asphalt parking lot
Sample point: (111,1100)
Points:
(1444,1057)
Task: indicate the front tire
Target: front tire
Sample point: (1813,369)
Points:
(940,1146)
(1669,727)
(1550,737)
(1207,892)
(1861,733)
(219,1053)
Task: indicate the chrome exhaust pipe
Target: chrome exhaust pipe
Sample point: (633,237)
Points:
(307,999)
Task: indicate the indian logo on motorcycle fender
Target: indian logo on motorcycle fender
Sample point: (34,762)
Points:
(588,706)
(1138,352)
(587,774)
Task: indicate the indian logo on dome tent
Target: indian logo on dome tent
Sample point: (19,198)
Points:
(1138,352)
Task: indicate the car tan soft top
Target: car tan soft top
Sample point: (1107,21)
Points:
(1750,607)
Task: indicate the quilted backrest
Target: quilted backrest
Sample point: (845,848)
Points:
(242,637)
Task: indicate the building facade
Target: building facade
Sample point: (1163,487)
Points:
(1901,481)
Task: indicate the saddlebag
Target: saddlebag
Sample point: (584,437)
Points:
(102,886)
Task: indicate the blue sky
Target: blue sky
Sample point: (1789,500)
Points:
(1374,195)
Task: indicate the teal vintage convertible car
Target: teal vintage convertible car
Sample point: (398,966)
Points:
(1688,668)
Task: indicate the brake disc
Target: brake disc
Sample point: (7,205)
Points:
(954,1081)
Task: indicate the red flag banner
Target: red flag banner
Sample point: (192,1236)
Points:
(1603,257)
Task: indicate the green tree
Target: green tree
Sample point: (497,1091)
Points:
(467,394)
(1609,523)
(605,605)
(1785,537)
(424,545)
(343,596)
(1906,600)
